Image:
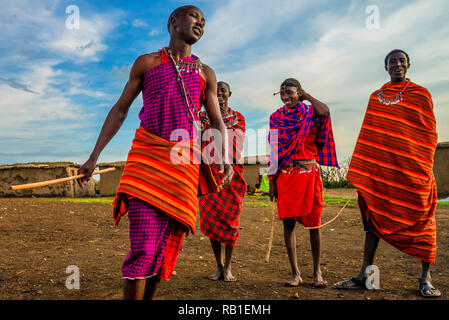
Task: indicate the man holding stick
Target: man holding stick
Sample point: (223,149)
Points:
(159,195)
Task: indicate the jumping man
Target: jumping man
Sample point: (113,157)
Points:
(159,195)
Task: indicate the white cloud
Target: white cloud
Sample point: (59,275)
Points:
(340,62)
(154,32)
(77,86)
(23,112)
(139,23)
(29,25)
(253,45)
(85,42)
(40,117)
(237,23)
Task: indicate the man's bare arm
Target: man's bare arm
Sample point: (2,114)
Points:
(216,121)
(119,111)
(321,108)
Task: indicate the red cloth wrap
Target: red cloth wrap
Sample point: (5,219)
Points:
(300,195)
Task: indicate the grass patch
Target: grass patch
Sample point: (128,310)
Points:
(327,201)
(331,200)
(83,200)
(253,204)
(257,197)
(443,204)
(258,204)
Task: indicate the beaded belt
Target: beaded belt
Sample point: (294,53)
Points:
(305,164)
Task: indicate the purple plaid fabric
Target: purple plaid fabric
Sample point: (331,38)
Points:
(164,108)
(291,127)
(163,111)
(149,230)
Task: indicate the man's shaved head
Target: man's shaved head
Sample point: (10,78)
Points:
(178,12)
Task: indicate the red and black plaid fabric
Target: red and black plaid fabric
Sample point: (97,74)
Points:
(174,243)
(220,212)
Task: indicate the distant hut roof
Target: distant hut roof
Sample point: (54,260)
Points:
(38,165)
(117,164)
(259,159)
(443,145)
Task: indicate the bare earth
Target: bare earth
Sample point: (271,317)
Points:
(41,238)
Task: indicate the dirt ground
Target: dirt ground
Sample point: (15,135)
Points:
(41,237)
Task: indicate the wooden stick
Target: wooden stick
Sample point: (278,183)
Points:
(339,212)
(270,241)
(50,182)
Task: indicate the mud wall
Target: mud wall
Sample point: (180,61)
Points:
(10,175)
(109,181)
(441,167)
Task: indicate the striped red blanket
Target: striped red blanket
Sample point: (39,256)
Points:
(392,170)
(151,176)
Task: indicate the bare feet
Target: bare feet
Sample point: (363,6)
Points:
(318,281)
(227,275)
(294,281)
(218,275)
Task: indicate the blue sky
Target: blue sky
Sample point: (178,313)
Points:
(58,84)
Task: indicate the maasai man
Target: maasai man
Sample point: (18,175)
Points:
(300,136)
(220,212)
(160,195)
(391,168)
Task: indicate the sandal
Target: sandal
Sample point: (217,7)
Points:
(426,290)
(345,285)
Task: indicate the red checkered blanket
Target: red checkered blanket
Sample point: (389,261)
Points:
(220,212)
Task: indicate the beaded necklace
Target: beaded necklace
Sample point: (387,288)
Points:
(185,66)
(195,66)
(393,99)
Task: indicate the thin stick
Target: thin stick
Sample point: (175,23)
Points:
(270,241)
(50,182)
(339,212)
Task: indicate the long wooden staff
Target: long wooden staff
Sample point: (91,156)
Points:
(336,216)
(270,241)
(50,182)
